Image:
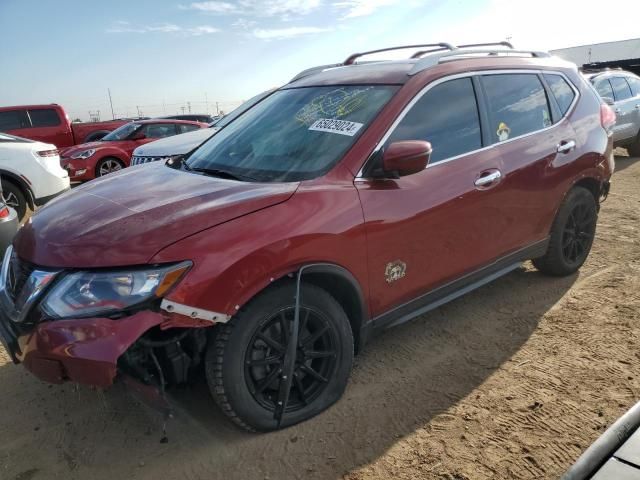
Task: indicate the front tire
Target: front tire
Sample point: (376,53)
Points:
(108,165)
(14,197)
(244,362)
(572,234)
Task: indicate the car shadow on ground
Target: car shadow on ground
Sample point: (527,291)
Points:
(401,381)
(624,161)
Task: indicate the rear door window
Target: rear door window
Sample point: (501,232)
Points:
(621,88)
(634,83)
(13,120)
(447,117)
(44,117)
(603,87)
(517,104)
(561,90)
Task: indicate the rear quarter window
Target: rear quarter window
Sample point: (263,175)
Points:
(184,128)
(561,90)
(517,105)
(44,117)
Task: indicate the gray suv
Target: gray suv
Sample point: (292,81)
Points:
(621,89)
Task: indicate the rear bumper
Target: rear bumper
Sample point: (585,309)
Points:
(83,351)
(42,200)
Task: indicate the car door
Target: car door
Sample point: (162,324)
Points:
(153,132)
(433,226)
(634,83)
(624,108)
(605,90)
(534,139)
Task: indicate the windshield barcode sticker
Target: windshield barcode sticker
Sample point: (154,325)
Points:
(342,127)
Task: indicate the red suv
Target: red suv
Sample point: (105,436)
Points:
(113,151)
(350,200)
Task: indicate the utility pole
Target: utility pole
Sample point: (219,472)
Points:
(138,108)
(206,103)
(189,106)
(217,109)
(113,115)
(182,107)
(164,112)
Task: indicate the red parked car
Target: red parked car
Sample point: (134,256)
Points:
(350,200)
(51,124)
(113,152)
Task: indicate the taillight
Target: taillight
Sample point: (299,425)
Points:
(607,116)
(4,212)
(47,153)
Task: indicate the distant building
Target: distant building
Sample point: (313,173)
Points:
(624,54)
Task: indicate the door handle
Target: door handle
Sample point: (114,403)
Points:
(566,147)
(487,179)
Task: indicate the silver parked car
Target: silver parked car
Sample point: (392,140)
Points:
(621,89)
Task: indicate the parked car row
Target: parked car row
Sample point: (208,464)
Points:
(113,151)
(345,202)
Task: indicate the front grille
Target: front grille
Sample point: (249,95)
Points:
(18,274)
(139,160)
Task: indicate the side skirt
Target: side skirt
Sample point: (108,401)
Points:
(452,290)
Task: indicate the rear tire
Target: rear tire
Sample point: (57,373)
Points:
(108,165)
(244,360)
(14,197)
(634,148)
(572,234)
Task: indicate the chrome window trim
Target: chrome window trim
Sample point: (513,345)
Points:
(471,74)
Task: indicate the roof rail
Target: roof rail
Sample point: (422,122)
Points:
(493,44)
(441,46)
(469,45)
(312,70)
(466,53)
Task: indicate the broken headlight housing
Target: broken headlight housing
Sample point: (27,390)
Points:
(85,294)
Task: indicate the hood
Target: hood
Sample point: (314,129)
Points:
(67,152)
(175,145)
(126,218)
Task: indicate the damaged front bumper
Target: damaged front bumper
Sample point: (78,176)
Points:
(83,351)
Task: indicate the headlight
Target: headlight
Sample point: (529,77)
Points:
(83,294)
(84,154)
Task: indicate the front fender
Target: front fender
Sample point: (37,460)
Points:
(238,259)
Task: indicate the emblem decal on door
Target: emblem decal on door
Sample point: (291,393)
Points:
(395,271)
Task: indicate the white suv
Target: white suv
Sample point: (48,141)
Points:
(31,173)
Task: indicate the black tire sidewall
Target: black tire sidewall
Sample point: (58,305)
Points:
(575,197)
(9,187)
(247,323)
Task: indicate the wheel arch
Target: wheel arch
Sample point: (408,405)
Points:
(20,183)
(344,287)
(338,282)
(592,184)
(96,135)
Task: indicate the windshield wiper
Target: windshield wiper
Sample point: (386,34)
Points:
(218,172)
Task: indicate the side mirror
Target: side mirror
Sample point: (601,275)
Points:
(608,100)
(406,157)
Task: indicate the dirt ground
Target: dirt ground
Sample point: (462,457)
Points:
(512,381)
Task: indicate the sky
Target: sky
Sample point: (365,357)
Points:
(157,56)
